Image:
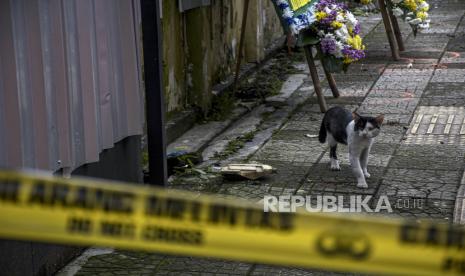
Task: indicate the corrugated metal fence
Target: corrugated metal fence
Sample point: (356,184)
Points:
(70,80)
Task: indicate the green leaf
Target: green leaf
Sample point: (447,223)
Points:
(307,39)
(332,64)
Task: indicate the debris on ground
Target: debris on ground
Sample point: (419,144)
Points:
(249,171)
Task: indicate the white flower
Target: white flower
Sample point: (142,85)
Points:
(424,25)
(329,36)
(351,19)
(311,18)
(339,18)
(342,33)
(339,47)
(423,5)
(415,21)
(397,12)
(321,33)
(294,29)
(288,13)
(280,2)
(327,10)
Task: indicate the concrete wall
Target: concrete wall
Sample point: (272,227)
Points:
(201,46)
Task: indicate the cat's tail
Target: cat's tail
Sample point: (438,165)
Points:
(322,134)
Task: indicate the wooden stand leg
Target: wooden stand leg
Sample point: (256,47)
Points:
(288,43)
(315,79)
(397,32)
(330,78)
(389,32)
(331,82)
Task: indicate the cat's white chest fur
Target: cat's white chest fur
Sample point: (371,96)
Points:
(354,138)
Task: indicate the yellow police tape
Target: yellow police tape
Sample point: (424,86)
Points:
(93,212)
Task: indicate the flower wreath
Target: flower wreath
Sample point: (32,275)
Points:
(415,12)
(295,23)
(335,28)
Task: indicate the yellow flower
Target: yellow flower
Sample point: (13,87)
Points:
(425,9)
(336,25)
(356,42)
(411,5)
(422,15)
(422,5)
(320,15)
(347,60)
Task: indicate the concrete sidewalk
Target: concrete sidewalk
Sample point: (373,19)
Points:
(419,155)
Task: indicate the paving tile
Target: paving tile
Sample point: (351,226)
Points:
(422,176)
(265,270)
(416,189)
(379,160)
(304,121)
(389,105)
(437,90)
(439,151)
(449,75)
(426,162)
(352,89)
(421,209)
(454,57)
(322,180)
(457,43)
(404,93)
(291,151)
(201,266)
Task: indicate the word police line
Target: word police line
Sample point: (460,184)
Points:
(92,212)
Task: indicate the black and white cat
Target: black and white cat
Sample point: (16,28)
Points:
(339,125)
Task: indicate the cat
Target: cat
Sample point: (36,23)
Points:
(339,125)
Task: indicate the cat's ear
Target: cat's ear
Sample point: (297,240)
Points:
(380,119)
(355,116)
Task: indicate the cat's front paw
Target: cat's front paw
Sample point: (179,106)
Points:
(335,165)
(367,175)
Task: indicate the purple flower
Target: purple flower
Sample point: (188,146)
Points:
(357,29)
(328,45)
(323,3)
(353,53)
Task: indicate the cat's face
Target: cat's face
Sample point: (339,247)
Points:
(369,127)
